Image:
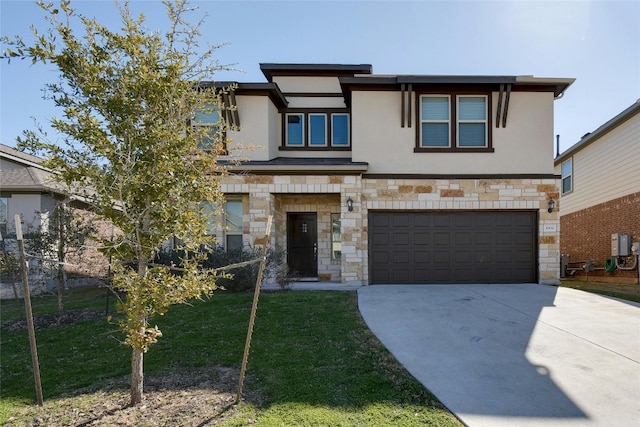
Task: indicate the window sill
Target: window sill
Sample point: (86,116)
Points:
(314,148)
(454,150)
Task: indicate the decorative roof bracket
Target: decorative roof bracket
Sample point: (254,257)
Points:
(500,113)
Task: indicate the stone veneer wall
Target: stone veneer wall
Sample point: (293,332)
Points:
(276,195)
(475,194)
(586,234)
(267,198)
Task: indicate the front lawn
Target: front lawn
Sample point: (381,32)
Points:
(630,292)
(313,362)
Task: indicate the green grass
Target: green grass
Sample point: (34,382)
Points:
(313,361)
(630,292)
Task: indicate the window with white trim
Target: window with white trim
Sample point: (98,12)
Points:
(457,122)
(317,130)
(233,225)
(567,176)
(472,121)
(213,132)
(320,130)
(3,215)
(336,237)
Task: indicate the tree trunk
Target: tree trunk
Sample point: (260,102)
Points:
(137,376)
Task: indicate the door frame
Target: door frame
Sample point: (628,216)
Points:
(303,252)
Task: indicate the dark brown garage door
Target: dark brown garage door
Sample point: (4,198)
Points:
(452,247)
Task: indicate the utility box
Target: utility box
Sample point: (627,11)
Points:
(620,244)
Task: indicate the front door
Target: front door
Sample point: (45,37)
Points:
(302,244)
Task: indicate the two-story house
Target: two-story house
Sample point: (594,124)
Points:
(408,179)
(600,194)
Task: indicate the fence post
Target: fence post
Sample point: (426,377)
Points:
(254,308)
(29,312)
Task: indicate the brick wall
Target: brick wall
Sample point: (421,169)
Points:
(586,234)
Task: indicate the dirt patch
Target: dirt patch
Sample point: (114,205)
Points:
(201,398)
(52,320)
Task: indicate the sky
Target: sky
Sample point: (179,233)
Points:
(595,42)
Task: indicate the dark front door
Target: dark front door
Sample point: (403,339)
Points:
(302,244)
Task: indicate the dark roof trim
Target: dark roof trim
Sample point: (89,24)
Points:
(590,138)
(298,166)
(526,83)
(269,89)
(335,70)
(461,176)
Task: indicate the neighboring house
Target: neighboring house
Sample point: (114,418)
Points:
(601,198)
(404,179)
(26,188)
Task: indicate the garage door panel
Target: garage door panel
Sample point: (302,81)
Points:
(462,256)
(453,247)
(421,257)
(381,257)
(441,238)
(400,220)
(401,257)
(463,238)
(379,239)
(400,239)
(420,238)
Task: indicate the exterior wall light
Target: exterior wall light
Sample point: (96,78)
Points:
(552,204)
(350,204)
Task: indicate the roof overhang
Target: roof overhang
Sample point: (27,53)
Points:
(331,70)
(298,166)
(256,89)
(522,83)
(590,138)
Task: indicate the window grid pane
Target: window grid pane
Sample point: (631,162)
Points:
(295,129)
(234,242)
(472,108)
(209,122)
(471,135)
(435,134)
(340,129)
(435,108)
(318,130)
(567,174)
(234,216)
(472,121)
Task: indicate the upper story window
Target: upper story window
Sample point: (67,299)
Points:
(210,120)
(567,176)
(454,122)
(319,130)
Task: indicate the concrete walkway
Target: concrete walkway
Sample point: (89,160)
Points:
(515,355)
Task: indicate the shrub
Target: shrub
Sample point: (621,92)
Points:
(240,279)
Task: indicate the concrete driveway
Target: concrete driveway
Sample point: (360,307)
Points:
(515,355)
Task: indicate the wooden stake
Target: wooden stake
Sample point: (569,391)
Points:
(29,312)
(254,308)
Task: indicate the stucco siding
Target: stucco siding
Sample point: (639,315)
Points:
(606,169)
(298,84)
(316,102)
(256,135)
(524,146)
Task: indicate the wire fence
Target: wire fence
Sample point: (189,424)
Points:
(50,308)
